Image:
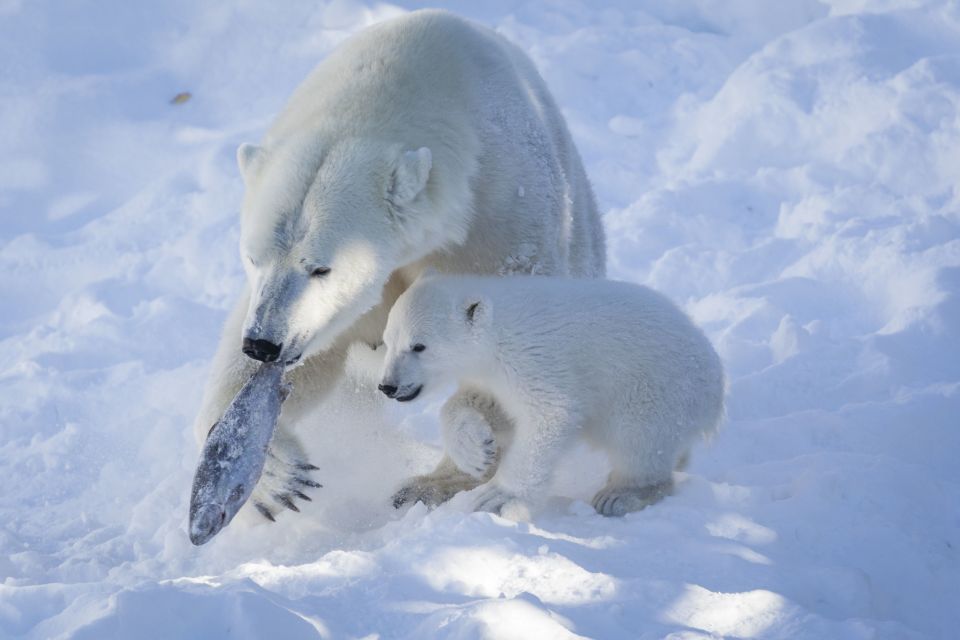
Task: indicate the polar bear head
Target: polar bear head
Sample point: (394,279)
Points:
(322,229)
(436,332)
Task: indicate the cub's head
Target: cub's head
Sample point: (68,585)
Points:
(434,334)
(321,232)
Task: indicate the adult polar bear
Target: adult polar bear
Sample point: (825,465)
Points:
(424,141)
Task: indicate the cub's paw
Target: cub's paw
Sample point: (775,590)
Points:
(493,498)
(618,501)
(470,443)
(285,479)
(429,491)
(432,489)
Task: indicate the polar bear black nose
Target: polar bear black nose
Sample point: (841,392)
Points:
(262,350)
(389,389)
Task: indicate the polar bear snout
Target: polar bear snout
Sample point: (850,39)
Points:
(262,350)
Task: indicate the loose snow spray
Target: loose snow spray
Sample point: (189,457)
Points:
(234,453)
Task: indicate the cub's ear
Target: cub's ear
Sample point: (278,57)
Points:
(409,176)
(476,310)
(248,159)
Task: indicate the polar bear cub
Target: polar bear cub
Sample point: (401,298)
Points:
(615,363)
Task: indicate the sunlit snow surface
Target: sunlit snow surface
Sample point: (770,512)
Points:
(788,171)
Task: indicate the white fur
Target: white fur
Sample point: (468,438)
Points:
(406,148)
(615,363)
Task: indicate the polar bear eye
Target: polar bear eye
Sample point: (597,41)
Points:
(319,272)
(417,348)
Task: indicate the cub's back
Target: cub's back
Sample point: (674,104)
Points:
(620,308)
(606,326)
(624,349)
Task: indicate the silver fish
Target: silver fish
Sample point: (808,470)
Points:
(233,456)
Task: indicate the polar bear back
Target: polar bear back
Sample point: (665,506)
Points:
(501,150)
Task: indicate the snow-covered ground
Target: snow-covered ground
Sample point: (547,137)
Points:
(788,171)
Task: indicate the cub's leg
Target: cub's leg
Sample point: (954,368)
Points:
(468,439)
(642,471)
(527,464)
(470,419)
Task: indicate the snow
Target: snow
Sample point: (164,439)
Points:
(787,171)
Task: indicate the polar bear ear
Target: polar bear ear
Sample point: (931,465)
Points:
(476,310)
(409,176)
(248,159)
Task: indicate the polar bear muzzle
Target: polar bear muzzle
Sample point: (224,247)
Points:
(262,350)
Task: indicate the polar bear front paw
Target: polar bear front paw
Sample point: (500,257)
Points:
(286,475)
(470,443)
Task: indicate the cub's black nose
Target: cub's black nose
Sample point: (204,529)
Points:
(388,389)
(262,350)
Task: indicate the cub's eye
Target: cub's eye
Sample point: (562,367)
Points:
(417,348)
(319,272)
